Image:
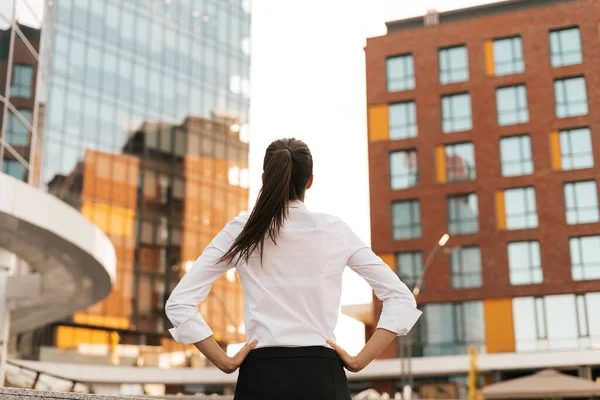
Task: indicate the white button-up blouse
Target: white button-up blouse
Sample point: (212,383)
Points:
(293,298)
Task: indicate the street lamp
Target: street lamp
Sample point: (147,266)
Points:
(406,340)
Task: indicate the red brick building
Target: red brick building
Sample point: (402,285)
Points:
(484,123)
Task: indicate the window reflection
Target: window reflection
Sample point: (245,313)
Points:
(508,56)
(409,266)
(463,214)
(515,153)
(585,257)
(460,162)
(14,168)
(465,265)
(17,133)
(22,81)
(400,73)
(403,169)
(565,47)
(571,97)
(453,64)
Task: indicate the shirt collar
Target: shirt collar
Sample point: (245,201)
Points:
(296,204)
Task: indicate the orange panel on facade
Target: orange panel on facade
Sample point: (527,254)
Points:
(499,329)
(379,123)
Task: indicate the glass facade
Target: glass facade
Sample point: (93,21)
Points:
(400,73)
(511,104)
(409,266)
(508,56)
(581,202)
(463,214)
(585,257)
(460,162)
(145,131)
(465,268)
(515,154)
(520,208)
(524,262)
(454,64)
(404,172)
(565,47)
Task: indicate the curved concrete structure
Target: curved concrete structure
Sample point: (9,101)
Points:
(75,259)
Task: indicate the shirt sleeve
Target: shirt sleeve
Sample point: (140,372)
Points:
(182,306)
(400,311)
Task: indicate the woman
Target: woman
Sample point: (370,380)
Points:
(290,261)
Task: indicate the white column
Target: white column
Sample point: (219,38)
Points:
(7,263)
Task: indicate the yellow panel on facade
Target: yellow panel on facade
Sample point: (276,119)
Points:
(489,58)
(390,260)
(68,337)
(440,164)
(499,329)
(555,150)
(101,320)
(379,123)
(500,210)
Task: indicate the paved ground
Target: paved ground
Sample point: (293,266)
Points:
(28,394)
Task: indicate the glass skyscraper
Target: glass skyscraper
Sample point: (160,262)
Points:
(144,128)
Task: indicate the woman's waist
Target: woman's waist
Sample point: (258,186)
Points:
(272,352)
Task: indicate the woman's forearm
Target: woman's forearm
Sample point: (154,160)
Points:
(214,353)
(380,340)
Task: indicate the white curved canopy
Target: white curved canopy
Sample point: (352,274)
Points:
(75,259)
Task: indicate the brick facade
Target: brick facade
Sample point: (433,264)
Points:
(533,25)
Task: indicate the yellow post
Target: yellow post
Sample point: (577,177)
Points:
(474,393)
(114,354)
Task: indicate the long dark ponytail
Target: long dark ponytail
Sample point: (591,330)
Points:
(287,168)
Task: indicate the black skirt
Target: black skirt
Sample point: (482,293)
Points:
(292,373)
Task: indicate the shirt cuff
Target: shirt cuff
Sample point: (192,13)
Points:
(191,331)
(398,317)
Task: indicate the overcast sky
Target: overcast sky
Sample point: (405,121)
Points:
(308,82)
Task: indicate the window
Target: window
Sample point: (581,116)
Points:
(17,134)
(585,257)
(460,162)
(508,56)
(556,322)
(525,263)
(403,169)
(463,214)
(454,64)
(22,81)
(449,329)
(403,120)
(409,266)
(570,97)
(576,149)
(520,208)
(581,202)
(406,219)
(14,169)
(456,113)
(515,152)
(465,266)
(565,47)
(511,104)
(400,73)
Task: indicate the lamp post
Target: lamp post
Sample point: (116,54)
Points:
(405,341)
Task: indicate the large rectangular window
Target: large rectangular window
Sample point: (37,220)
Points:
(463,214)
(511,104)
(460,162)
(465,266)
(403,120)
(406,219)
(403,169)
(520,208)
(508,56)
(570,97)
(449,329)
(576,149)
(515,152)
(456,113)
(454,64)
(400,72)
(585,257)
(524,262)
(409,266)
(22,81)
(17,133)
(565,47)
(581,202)
(557,322)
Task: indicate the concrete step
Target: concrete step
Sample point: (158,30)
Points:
(29,394)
